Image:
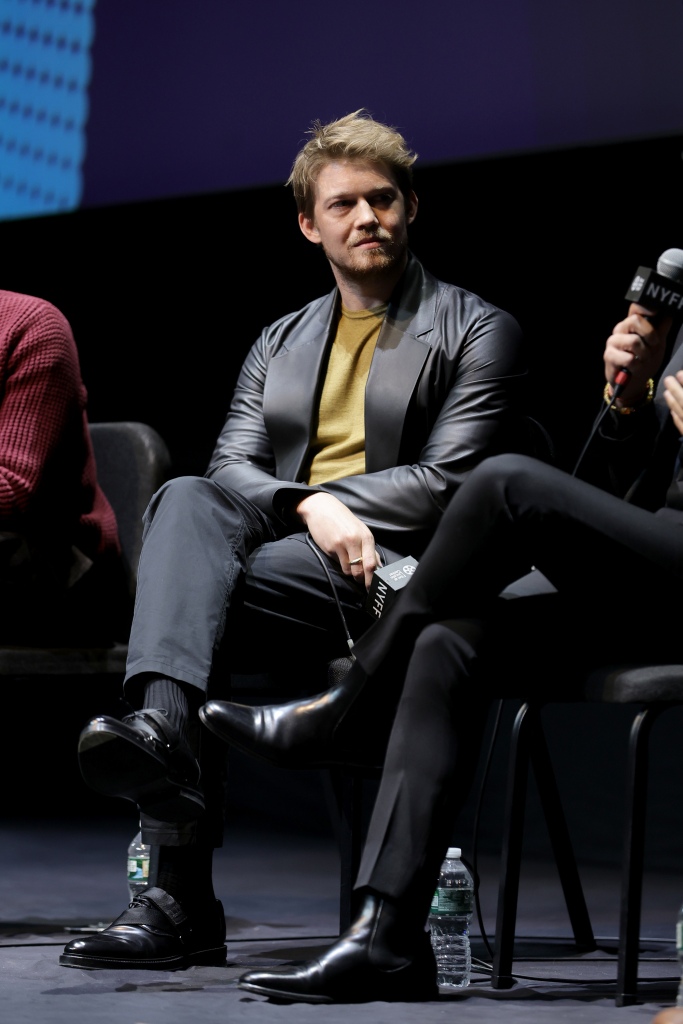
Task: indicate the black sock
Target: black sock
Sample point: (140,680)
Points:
(169,695)
(186,873)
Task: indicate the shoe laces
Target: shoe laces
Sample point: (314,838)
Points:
(140,900)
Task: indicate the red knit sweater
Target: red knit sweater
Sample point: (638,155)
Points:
(48,478)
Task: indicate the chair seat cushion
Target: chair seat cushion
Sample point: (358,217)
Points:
(626,684)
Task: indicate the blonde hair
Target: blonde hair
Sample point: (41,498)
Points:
(356,135)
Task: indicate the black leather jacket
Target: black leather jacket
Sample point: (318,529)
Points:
(445,383)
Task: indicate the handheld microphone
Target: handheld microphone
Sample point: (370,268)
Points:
(660,290)
(657,289)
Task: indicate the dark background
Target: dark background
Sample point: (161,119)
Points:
(166,296)
(550,140)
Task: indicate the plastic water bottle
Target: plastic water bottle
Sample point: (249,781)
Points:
(138,865)
(679,950)
(449,921)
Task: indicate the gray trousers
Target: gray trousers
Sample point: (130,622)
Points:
(222,590)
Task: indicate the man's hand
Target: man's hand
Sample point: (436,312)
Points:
(639,346)
(341,534)
(673,396)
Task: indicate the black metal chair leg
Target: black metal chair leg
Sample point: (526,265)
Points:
(634,849)
(528,746)
(347,791)
(560,839)
(511,854)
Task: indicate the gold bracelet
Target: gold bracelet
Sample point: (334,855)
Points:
(626,410)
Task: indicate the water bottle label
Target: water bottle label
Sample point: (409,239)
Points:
(452,901)
(138,869)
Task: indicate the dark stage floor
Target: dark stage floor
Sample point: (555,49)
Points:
(280,894)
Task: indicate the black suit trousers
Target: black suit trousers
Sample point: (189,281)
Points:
(457,637)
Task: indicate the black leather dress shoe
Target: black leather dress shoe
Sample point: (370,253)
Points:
(142,759)
(153,934)
(298,734)
(358,968)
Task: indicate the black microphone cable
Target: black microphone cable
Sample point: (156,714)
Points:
(617,388)
(321,558)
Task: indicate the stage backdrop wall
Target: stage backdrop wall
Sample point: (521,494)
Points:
(166,296)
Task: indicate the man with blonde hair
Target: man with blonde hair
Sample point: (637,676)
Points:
(353,422)
(351,137)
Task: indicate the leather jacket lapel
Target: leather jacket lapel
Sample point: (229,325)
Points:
(295,377)
(402,348)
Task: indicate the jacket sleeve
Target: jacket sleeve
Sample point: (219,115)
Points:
(243,458)
(42,394)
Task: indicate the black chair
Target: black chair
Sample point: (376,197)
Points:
(351,792)
(650,690)
(132,463)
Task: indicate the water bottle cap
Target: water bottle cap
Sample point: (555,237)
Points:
(453,853)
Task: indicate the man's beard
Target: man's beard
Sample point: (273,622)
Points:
(365,263)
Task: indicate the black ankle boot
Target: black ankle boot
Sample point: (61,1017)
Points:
(299,734)
(377,959)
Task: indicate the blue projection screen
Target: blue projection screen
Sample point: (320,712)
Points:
(45,71)
(115,101)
